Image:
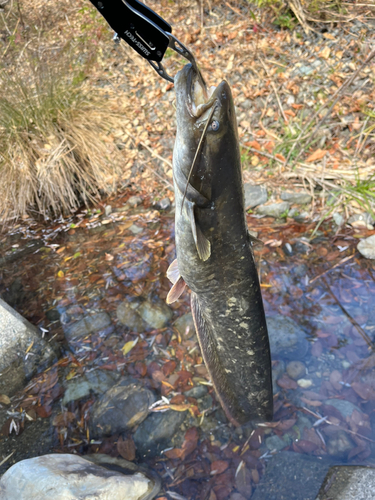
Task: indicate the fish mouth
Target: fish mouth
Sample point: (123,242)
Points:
(200,97)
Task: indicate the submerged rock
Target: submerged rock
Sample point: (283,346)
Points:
(23,351)
(70,477)
(287,338)
(291,476)
(125,405)
(367,247)
(348,482)
(128,315)
(88,324)
(185,325)
(97,382)
(159,431)
(296,369)
(156,314)
(339,444)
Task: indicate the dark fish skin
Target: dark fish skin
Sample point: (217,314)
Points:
(225,292)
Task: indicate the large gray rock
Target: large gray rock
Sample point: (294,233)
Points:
(88,324)
(17,336)
(298,197)
(348,482)
(291,476)
(70,477)
(274,209)
(367,247)
(159,431)
(287,338)
(125,405)
(254,195)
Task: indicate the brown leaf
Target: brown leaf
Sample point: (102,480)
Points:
(190,442)
(364,391)
(311,402)
(243,480)
(44,411)
(317,349)
(287,383)
(169,367)
(63,419)
(303,446)
(218,467)
(317,155)
(174,453)
(126,448)
(284,425)
(335,378)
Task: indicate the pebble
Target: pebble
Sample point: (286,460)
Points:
(296,369)
(254,195)
(274,209)
(275,443)
(305,383)
(135,229)
(107,210)
(64,476)
(366,247)
(134,201)
(185,326)
(124,406)
(361,220)
(164,204)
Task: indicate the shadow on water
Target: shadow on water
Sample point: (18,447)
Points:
(97,284)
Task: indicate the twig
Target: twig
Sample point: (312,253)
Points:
(342,261)
(336,97)
(236,11)
(274,89)
(359,145)
(6,458)
(358,327)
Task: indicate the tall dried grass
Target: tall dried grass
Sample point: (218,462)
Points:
(53,153)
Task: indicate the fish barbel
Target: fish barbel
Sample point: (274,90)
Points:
(214,254)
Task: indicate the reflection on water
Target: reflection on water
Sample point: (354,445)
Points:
(70,280)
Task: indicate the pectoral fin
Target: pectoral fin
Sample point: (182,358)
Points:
(173,273)
(201,242)
(176,291)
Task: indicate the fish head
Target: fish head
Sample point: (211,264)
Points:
(196,103)
(207,135)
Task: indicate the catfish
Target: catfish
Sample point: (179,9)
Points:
(214,249)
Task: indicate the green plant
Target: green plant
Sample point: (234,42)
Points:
(52,154)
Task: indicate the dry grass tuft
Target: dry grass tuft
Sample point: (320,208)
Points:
(53,150)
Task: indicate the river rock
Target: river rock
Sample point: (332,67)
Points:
(23,351)
(275,443)
(156,314)
(296,369)
(287,338)
(346,408)
(274,209)
(97,381)
(291,476)
(89,324)
(125,405)
(339,444)
(348,482)
(134,201)
(299,197)
(70,477)
(185,326)
(159,431)
(367,247)
(128,315)
(254,195)
(361,220)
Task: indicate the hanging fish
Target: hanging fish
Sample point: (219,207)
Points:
(214,254)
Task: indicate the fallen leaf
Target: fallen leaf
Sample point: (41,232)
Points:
(317,155)
(218,467)
(287,383)
(63,419)
(129,346)
(126,448)
(60,274)
(364,391)
(325,53)
(4,399)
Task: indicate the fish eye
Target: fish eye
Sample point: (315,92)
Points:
(215,125)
